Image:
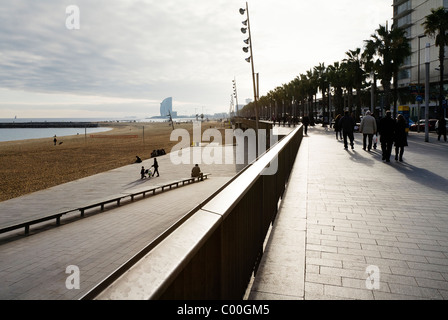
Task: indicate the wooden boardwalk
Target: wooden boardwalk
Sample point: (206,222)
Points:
(34,266)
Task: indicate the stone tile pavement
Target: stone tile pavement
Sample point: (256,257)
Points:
(351,226)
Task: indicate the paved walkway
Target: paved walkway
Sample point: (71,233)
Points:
(344,213)
(354,227)
(34,266)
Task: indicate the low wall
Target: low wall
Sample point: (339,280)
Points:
(212,252)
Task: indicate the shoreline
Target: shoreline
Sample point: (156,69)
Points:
(45,124)
(31,165)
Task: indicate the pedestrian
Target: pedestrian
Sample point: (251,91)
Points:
(156,167)
(368,129)
(400,137)
(138,159)
(196,172)
(142,173)
(347,124)
(55,140)
(386,130)
(337,127)
(441,130)
(306,123)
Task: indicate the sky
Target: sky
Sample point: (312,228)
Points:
(122,58)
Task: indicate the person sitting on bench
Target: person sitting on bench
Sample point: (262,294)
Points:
(196,172)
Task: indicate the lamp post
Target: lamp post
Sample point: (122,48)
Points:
(427,92)
(251,60)
(418,83)
(236,95)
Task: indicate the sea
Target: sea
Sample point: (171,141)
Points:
(14,134)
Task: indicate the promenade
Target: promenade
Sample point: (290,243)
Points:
(351,226)
(34,267)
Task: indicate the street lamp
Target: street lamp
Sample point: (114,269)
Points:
(427,60)
(418,83)
(250,59)
(236,95)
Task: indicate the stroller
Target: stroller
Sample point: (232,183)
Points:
(144,172)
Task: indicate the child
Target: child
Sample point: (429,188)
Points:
(142,172)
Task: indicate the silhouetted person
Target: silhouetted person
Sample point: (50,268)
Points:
(138,160)
(337,127)
(306,123)
(400,138)
(441,130)
(347,123)
(156,167)
(196,172)
(386,130)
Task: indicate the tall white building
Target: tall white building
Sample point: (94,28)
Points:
(410,14)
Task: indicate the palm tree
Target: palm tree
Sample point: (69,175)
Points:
(436,25)
(320,72)
(336,76)
(356,74)
(392,48)
(370,67)
(401,49)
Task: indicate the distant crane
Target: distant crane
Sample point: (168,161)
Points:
(171,119)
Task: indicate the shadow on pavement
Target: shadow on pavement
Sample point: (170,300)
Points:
(422,176)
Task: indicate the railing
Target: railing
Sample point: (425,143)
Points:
(213,251)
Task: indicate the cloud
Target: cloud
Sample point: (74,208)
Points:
(190,50)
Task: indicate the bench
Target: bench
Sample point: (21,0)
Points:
(101,203)
(170,185)
(27,224)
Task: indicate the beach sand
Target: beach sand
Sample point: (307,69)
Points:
(31,165)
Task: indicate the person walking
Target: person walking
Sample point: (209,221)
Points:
(156,167)
(386,130)
(347,124)
(368,129)
(441,130)
(306,123)
(400,137)
(337,127)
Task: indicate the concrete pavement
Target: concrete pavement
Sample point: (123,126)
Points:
(35,266)
(351,226)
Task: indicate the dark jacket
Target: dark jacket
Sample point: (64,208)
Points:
(442,126)
(400,138)
(387,129)
(347,124)
(337,127)
(305,120)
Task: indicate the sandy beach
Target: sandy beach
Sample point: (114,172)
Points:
(31,165)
